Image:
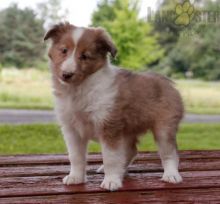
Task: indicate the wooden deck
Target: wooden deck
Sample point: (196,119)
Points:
(38,179)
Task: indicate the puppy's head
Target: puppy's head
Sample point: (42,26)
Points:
(77,52)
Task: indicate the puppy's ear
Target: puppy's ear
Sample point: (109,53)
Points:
(50,33)
(57,30)
(105,42)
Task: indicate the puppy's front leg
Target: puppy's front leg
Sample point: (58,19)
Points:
(114,159)
(77,155)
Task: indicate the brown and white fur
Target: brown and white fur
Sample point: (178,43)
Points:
(95,100)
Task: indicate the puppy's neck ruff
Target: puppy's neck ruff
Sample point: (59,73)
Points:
(103,77)
(88,103)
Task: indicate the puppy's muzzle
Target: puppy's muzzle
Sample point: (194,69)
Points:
(66,76)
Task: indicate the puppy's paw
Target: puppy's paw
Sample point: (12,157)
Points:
(100,169)
(71,179)
(111,183)
(172,177)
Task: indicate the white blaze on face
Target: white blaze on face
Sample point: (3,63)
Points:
(77,34)
(69,65)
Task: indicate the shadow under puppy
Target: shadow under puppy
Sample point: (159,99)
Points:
(96,100)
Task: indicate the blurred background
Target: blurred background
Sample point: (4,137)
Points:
(180,39)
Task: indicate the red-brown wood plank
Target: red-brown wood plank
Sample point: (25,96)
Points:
(38,179)
(137,167)
(52,185)
(185,196)
(94,158)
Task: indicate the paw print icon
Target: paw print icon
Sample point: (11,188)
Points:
(185,13)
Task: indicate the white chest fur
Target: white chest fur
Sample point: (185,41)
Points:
(90,102)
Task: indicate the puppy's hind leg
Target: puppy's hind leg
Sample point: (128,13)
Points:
(165,137)
(100,169)
(131,151)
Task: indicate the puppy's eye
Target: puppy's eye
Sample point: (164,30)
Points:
(64,50)
(83,57)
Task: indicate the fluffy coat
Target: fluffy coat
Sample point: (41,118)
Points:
(96,100)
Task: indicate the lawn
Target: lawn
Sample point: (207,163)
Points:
(199,96)
(25,89)
(30,89)
(39,139)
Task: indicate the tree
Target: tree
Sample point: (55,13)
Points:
(51,12)
(106,12)
(137,47)
(163,23)
(197,47)
(21,37)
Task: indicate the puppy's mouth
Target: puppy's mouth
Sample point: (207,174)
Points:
(67,76)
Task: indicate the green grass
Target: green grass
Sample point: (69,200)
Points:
(25,89)
(30,89)
(38,139)
(200,97)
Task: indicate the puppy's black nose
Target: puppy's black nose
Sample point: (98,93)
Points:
(67,75)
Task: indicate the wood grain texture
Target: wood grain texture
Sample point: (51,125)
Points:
(136,167)
(45,185)
(185,196)
(94,158)
(38,179)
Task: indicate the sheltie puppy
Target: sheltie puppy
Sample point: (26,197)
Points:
(95,100)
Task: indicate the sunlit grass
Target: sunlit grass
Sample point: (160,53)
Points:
(27,88)
(30,89)
(39,139)
(199,96)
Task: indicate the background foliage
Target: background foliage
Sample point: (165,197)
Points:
(151,43)
(193,48)
(137,47)
(154,42)
(20,34)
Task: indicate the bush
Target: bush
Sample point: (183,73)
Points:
(137,46)
(21,45)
